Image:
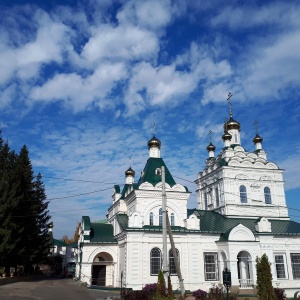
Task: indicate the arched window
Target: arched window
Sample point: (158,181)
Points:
(267,192)
(172,267)
(160,217)
(151,218)
(243,194)
(155,261)
(172,219)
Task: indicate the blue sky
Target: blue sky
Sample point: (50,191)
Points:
(83,81)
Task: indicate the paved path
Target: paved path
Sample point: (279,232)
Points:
(53,289)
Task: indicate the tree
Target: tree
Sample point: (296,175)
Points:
(265,290)
(68,241)
(24,217)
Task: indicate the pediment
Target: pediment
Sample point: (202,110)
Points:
(241,233)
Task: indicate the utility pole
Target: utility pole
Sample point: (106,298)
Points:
(164,226)
(178,271)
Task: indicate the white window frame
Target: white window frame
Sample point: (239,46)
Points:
(284,265)
(211,264)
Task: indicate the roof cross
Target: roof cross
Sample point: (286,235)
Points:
(154,128)
(256,126)
(210,133)
(230,104)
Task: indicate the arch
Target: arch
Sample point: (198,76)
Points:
(241,233)
(155,261)
(267,194)
(245,269)
(102,269)
(243,194)
(172,266)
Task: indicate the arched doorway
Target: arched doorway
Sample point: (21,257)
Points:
(102,269)
(244,266)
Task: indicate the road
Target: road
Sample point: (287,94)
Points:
(53,289)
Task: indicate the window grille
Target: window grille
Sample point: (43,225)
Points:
(172,267)
(280,266)
(295,259)
(211,266)
(243,194)
(267,192)
(155,261)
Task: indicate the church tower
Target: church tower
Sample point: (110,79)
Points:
(239,183)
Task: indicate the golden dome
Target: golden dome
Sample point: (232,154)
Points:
(257,139)
(232,124)
(226,136)
(211,147)
(154,142)
(129,172)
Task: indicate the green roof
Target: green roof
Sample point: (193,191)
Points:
(102,233)
(86,222)
(59,243)
(117,188)
(213,222)
(123,221)
(149,174)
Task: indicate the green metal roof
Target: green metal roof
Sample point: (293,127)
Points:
(149,174)
(123,221)
(213,222)
(59,243)
(117,188)
(102,233)
(86,222)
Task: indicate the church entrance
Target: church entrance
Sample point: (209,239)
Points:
(244,266)
(103,270)
(98,275)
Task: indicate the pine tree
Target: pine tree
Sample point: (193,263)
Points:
(265,290)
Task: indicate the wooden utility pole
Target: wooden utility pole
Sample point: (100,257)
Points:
(178,271)
(164,226)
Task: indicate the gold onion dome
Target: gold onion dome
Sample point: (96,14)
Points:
(226,136)
(257,139)
(211,147)
(154,142)
(129,172)
(232,124)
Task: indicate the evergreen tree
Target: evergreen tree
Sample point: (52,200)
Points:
(9,199)
(265,290)
(43,239)
(24,217)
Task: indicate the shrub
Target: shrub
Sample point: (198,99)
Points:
(150,288)
(200,294)
(280,293)
(215,293)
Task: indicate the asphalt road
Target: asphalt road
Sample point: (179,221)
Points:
(53,289)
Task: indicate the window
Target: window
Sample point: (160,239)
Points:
(172,267)
(160,217)
(267,192)
(295,258)
(280,266)
(151,218)
(172,219)
(243,194)
(205,201)
(217,197)
(155,261)
(211,266)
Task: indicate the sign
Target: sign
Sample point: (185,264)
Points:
(227,277)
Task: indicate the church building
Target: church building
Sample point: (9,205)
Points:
(241,215)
